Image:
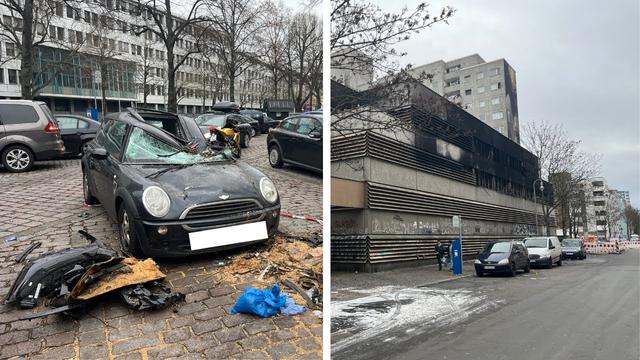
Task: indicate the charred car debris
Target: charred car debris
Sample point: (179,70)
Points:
(73,278)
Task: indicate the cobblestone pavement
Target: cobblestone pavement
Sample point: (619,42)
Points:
(46,205)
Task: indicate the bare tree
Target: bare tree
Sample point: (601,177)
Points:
(558,154)
(613,213)
(234,27)
(305,41)
(273,42)
(193,27)
(632,217)
(29,25)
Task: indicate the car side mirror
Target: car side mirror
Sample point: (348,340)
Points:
(99,153)
(315,135)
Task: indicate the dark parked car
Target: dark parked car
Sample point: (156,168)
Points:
(298,141)
(502,257)
(263,125)
(169,193)
(76,131)
(573,249)
(28,132)
(225,120)
(255,125)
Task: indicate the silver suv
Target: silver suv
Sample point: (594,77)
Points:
(28,132)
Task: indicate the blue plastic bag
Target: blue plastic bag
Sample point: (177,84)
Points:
(291,308)
(264,303)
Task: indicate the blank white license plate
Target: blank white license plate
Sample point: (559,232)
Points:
(236,234)
(489,267)
(569,254)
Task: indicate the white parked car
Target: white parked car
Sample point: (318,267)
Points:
(544,250)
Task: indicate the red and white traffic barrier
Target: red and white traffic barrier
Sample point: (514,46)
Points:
(305,218)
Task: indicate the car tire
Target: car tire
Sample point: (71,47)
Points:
(560,262)
(245,139)
(82,145)
(479,273)
(253,132)
(128,237)
(89,199)
(514,270)
(527,268)
(17,158)
(550,264)
(275,156)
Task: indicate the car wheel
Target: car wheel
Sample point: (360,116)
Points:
(560,262)
(528,267)
(275,156)
(479,273)
(89,199)
(17,158)
(246,138)
(128,237)
(514,270)
(253,132)
(550,264)
(82,147)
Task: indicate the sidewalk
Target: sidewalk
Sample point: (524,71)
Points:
(349,285)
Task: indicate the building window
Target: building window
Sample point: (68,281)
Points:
(467,92)
(497,115)
(10,49)
(480,75)
(495,86)
(69,11)
(1,76)
(494,72)
(79,37)
(60,34)
(13,76)
(480,89)
(59,10)
(495,101)
(87,16)
(483,104)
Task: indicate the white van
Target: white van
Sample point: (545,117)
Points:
(544,250)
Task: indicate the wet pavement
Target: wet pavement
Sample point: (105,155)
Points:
(586,309)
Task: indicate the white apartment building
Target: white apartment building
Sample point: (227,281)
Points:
(74,86)
(487,90)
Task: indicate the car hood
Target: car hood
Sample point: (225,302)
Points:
(492,256)
(538,251)
(205,183)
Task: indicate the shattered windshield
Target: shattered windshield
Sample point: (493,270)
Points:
(145,148)
(211,120)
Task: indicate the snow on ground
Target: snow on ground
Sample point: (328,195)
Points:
(396,313)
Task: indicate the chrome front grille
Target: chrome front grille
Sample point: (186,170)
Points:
(221,209)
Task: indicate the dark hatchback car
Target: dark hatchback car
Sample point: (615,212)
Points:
(297,141)
(169,193)
(76,131)
(573,249)
(506,257)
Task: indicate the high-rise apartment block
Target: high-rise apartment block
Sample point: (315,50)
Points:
(487,90)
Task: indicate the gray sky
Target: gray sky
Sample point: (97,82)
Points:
(577,62)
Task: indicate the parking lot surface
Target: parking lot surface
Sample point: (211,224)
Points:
(46,205)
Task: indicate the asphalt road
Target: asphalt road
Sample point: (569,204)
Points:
(583,310)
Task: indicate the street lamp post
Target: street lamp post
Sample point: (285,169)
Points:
(534,199)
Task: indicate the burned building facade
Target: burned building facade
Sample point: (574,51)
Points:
(403,166)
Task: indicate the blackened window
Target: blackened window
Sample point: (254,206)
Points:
(13,76)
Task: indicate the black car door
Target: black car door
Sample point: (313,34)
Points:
(105,172)
(71,135)
(308,144)
(286,136)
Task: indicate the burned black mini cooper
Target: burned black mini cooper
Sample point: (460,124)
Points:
(169,193)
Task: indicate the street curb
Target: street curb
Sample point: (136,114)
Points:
(443,281)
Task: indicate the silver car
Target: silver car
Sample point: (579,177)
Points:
(28,132)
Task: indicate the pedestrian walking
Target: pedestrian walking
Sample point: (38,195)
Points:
(439,248)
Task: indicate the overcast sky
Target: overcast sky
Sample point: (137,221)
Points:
(577,62)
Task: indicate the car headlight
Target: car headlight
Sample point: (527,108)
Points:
(207,135)
(477,262)
(156,201)
(504,261)
(268,190)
